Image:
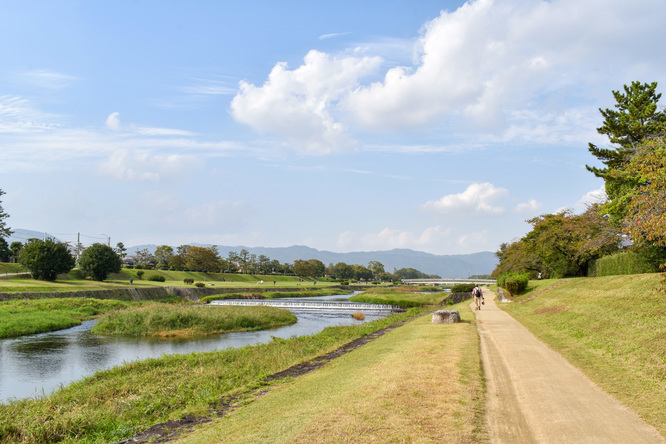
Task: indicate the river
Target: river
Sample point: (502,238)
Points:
(36,365)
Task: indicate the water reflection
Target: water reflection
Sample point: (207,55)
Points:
(38,364)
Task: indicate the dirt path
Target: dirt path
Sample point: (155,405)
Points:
(535,396)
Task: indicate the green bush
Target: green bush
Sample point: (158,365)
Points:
(188,281)
(516,283)
(200,284)
(157,278)
(635,261)
(140,274)
(462,288)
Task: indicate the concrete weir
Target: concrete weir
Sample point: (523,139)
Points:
(311,305)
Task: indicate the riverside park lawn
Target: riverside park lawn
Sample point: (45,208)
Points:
(421,382)
(74,282)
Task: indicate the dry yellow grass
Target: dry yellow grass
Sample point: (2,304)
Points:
(420,383)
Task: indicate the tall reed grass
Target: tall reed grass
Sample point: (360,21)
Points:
(28,316)
(156,319)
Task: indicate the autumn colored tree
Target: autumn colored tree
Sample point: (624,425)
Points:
(202,259)
(646,205)
(560,244)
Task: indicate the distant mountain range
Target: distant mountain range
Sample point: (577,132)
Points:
(446,266)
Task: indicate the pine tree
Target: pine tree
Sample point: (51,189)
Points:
(4,229)
(636,117)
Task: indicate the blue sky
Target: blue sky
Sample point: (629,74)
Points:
(440,126)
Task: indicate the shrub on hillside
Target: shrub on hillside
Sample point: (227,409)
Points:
(516,283)
(635,261)
(188,281)
(200,284)
(157,278)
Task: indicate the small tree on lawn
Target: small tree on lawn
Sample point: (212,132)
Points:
(98,260)
(46,259)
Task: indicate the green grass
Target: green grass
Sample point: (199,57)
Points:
(155,319)
(301,293)
(73,281)
(422,382)
(613,328)
(22,317)
(398,296)
(114,404)
(6,267)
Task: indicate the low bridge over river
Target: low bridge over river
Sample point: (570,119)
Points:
(310,305)
(448,281)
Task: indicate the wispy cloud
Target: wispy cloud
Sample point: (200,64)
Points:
(48,79)
(333,35)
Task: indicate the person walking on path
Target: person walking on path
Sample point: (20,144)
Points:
(478,296)
(535,396)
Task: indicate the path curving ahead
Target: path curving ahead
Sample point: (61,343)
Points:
(536,396)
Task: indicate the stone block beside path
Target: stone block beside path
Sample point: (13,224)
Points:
(445,317)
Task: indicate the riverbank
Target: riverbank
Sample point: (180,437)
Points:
(114,404)
(422,382)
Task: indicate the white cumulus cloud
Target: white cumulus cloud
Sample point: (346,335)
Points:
(297,104)
(478,198)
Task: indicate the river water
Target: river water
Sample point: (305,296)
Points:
(36,365)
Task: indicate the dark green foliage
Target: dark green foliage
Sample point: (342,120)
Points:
(200,284)
(635,261)
(188,281)
(412,273)
(4,229)
(46,259)
(514,283)
(157,278)
(462,288)
(5,252)
(98,260)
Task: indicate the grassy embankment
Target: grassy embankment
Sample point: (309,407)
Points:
(168,320)
(266,294)
(117,403)
(73,281)
(613,328)
(27,316)
(422,382)
(404,296)
(23,317)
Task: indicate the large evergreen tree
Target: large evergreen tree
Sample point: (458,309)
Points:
(46,259)
(636,117)
(4,229)
(98,260)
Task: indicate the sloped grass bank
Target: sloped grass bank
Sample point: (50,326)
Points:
(300,293)
(398,296)
(23,317)
(115,404)
(613,328)
(164,320)
(422,382)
